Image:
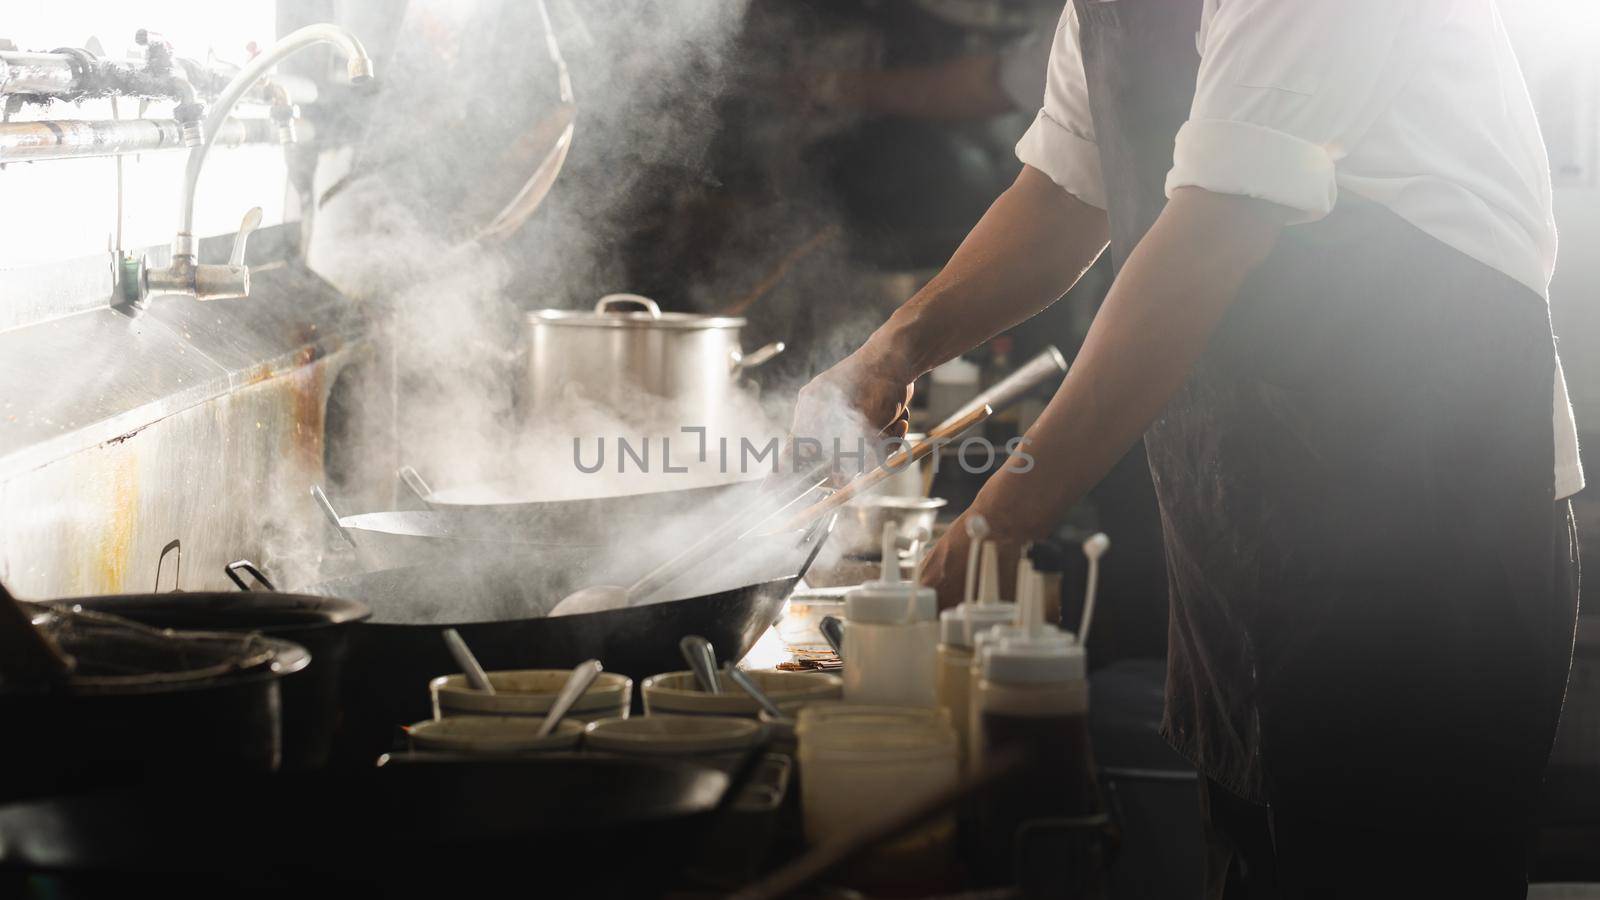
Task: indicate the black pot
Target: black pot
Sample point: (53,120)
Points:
(311,699)
(91,733)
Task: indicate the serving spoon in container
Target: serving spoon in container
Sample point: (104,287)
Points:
(702,660)
(742,679)
(583,675)
(478,678)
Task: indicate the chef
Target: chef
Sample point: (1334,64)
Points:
(1331,223)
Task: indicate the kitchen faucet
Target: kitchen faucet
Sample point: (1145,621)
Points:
(136,282)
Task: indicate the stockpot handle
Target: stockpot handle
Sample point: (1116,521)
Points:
(414,482)
(249,568)
(650,306)
(756,357)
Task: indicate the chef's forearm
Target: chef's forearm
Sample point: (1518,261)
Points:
(1029,248)
(1153,326)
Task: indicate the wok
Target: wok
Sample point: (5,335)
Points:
(513,530)
(395,538)
(499,610)
(580,520)
(619,826)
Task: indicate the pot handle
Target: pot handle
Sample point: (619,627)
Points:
(610,300)
(756,357)
(174,546)
(233,569)
(832,628)
(412,479)
(333,516)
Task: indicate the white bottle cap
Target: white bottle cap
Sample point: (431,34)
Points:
(899,603)
(961,625)
(1036,660)
(987,639)
(890,601)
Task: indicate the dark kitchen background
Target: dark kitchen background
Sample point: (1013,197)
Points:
(806,164)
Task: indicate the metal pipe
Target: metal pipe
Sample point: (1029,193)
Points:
(359,68)
(64,75)
(74,138)
(76,74)
(37,73)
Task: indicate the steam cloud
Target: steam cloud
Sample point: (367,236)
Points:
(463,83)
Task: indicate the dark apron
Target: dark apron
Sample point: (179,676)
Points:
(1372,588)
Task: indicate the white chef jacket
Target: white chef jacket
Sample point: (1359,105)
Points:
(1419,106)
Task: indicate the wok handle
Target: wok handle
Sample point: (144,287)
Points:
(233,569)
(332,514)
(413,480)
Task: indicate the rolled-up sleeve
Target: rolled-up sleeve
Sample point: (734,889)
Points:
(1060,142)
(1284,90)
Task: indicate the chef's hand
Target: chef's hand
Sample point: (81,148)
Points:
(852,401)
(946,568)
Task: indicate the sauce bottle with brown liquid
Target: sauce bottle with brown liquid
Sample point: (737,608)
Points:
(1032,698)
(959,628)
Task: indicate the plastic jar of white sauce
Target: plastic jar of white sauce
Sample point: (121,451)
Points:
(891,630)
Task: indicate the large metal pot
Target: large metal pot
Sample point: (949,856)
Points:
(627,349)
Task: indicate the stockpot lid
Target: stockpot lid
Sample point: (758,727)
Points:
(631,311)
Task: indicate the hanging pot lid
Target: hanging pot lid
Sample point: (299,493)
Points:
(632,311)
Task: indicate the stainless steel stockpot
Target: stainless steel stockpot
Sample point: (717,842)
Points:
(628,350)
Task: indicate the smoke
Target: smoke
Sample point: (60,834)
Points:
(464,87)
